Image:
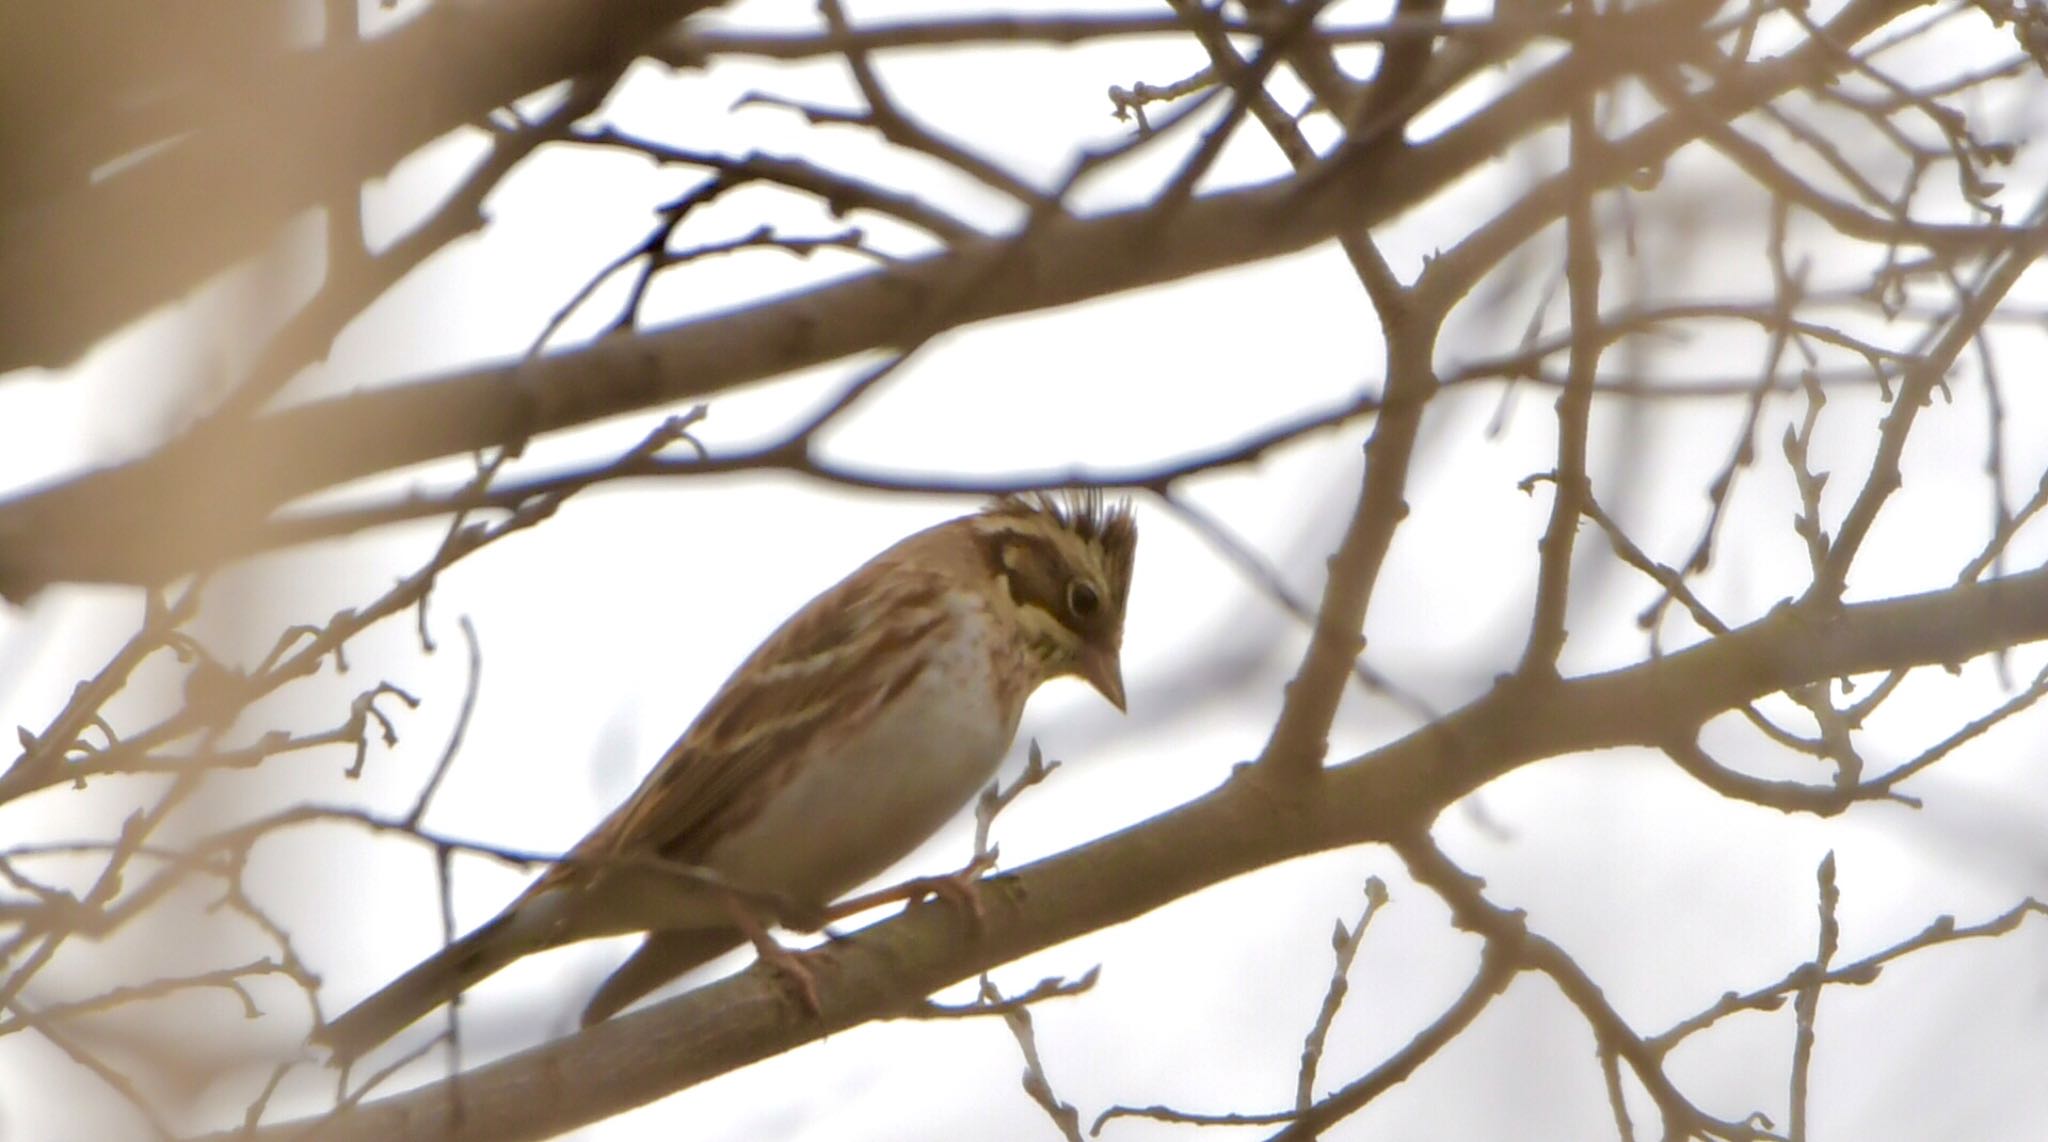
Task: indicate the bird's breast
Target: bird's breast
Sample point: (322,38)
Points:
(860,802)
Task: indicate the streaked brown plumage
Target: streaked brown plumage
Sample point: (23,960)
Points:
(856,730)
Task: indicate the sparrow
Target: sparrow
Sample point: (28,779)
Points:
(862,724)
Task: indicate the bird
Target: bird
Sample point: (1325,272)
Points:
(860,726)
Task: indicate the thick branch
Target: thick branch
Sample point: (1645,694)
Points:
(1387,794)
(107,250)
(180,507)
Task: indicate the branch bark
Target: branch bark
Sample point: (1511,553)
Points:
(89,254)
(185,505)
(1247,824)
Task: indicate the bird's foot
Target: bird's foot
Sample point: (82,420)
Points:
(789,965)
(961,888)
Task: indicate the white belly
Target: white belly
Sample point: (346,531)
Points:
(890,786)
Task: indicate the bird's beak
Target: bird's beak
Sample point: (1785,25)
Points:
(1104,670)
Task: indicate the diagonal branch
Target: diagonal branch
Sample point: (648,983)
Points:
(215,191)
(161,516)
(1389,794)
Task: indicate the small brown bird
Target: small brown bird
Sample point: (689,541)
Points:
(855,731)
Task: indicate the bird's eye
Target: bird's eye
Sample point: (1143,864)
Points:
(1082,599)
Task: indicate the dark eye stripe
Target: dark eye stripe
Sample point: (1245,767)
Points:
(1033,566)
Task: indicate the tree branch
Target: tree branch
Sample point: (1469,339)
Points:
(1385,795)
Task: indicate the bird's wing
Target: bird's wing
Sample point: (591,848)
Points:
(824,674)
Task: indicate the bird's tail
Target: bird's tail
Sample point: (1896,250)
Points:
(434,981)
(660,958)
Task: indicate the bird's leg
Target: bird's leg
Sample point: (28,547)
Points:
(777,957)
(962,888)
